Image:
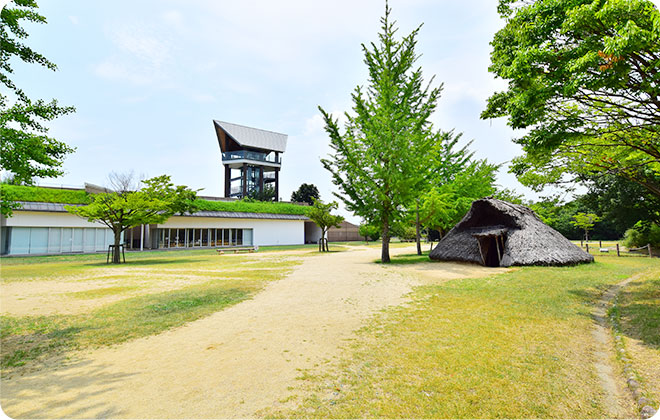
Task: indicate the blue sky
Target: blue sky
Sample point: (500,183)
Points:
(148,77)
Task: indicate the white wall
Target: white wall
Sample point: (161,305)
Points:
(265,231)
(47,219)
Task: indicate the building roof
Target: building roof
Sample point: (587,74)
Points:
(254,137)
(59,208)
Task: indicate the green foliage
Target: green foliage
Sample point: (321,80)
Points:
(582,78)
(446,204)
(585,221)
(154,203)
(377,161)
(44,195)
(268,194)
(306,193)
(320,214)
(642,234)
(404,231)
(369,231)
(246,206)
(25,148)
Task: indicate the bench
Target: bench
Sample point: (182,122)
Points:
(237,250)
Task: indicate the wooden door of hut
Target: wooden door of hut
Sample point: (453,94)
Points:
(491,246)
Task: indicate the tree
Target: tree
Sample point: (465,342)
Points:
(583,80)
(445,165)
(126,208)
(376,160)
(306,193)
(320,214)
(268,194)
(26,151)
(369,232)
(585,221)
(445,205)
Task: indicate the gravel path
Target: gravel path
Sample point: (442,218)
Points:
(235,362)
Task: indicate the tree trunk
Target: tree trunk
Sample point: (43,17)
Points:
(586,235)
(385,250)
(116,253)
(417,227)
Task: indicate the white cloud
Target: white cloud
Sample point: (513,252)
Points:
(142,56)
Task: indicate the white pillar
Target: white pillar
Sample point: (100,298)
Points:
(141,237)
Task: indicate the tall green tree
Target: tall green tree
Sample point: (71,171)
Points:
(447,161)
(26,150)
(583,79)
(445,204)
(386,139)
(125,208)
(306,193)
(320,213)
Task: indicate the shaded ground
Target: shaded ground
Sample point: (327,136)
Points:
(232,363)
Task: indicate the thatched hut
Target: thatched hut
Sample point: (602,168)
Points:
(495,233)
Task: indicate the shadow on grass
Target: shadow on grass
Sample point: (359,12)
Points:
(639,308)
(407,259)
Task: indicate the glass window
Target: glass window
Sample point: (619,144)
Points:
(89,239)
(20,240)
(54,240)
(247,237)
(100,240)
(77,245)
(38,240)
(226,237)
(237,236)
(67,239)
(205,237)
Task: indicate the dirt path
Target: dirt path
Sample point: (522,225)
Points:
(617,401)
(230,364)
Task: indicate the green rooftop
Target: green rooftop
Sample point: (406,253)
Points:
(71,196)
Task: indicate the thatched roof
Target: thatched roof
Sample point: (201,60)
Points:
(496,231)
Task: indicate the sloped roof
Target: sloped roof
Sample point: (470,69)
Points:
(254,137)
(527,240)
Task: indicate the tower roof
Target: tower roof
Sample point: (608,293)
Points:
(252,137)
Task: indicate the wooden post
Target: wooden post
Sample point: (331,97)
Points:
(618,254)
(600,244)
(244,180)
(649,247)
(227,181)
(587,247)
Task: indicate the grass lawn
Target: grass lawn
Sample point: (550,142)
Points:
(638,312)
(515,345)
(152,292)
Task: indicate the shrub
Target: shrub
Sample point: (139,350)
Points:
(641,234)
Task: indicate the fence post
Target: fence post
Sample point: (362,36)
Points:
(649,247)
(600,243)
(617,250)
(587,247)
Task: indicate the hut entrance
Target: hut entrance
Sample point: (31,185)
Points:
(491,248)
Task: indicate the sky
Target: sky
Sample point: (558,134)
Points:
(148,77)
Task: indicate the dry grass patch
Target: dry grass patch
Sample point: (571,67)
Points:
(123,302)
